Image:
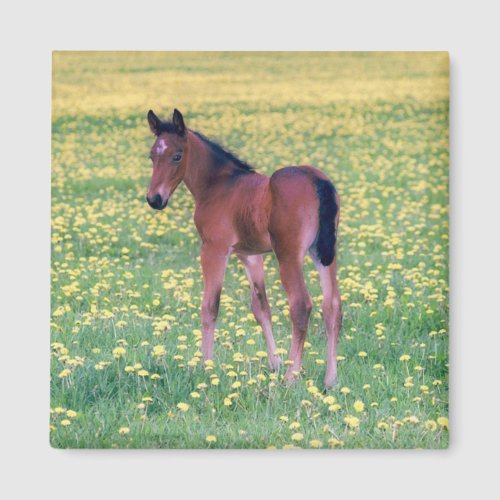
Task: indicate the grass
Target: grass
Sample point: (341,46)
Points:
(126,281)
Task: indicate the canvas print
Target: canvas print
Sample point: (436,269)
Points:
(249,250)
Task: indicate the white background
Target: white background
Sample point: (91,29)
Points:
(29,31)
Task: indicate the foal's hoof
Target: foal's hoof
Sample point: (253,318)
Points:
(275,363)
(291,377)
(330,382)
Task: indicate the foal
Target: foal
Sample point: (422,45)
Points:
(240,211)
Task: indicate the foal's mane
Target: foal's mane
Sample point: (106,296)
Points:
(222,156)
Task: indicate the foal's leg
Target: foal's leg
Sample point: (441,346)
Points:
(300,303)
(254,268)
(213,263)
(332,315)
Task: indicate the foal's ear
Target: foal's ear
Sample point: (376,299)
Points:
(178,121)
(154,122)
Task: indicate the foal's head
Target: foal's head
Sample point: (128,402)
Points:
(168,154)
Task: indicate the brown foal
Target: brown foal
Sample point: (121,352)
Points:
(240,211)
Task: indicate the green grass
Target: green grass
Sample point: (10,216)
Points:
(124,275)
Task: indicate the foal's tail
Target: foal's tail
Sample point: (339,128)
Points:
(327,233)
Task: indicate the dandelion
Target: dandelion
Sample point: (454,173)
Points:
(359,406)
(143,373)
(352,422)
(443,422)
(65,422)
(123,431)
(159,351)
(345,390)
(119,352)
(183,406)
(405,357)
(71,413)
(297,436)
(64,373)
(430,425)
(335,443)
(315,443)
(211,439)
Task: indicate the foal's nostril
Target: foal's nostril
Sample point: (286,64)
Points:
(156,202)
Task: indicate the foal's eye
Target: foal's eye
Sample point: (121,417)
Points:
(177,157)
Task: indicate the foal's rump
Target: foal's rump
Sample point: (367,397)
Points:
(304,213)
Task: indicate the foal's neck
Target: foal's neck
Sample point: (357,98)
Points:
(201,175)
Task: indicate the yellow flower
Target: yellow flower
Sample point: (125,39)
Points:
(195,395)
(359,406)
(315,443)
(430,425)
(405,357)
(65,373)
(443,422)
(362,354)
(211,439)
(329,400)
(345,390)
(183,406)
(71,413)
(65,422)
(123,430)
(334,442)
(227,402)
(159,350)
(119,352)
(297,436)
(352,422)
(143,373)
(294,425)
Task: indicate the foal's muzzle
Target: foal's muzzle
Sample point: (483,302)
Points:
(156,202)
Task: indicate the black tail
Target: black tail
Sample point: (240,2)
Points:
(327,234)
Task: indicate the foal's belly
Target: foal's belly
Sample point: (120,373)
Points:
(253,244)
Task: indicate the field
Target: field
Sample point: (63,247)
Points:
(126,370)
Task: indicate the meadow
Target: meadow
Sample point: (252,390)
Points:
(126,369)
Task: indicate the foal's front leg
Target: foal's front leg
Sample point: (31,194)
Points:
(213,263)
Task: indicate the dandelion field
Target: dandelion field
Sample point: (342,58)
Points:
(126,370)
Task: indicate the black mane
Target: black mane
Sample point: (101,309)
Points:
(222,156)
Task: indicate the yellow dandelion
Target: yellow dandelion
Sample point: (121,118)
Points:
(359,406)
(183,406)
(443,422)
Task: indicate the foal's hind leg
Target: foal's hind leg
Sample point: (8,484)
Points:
(300,303)
(254,268)
(332,315)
